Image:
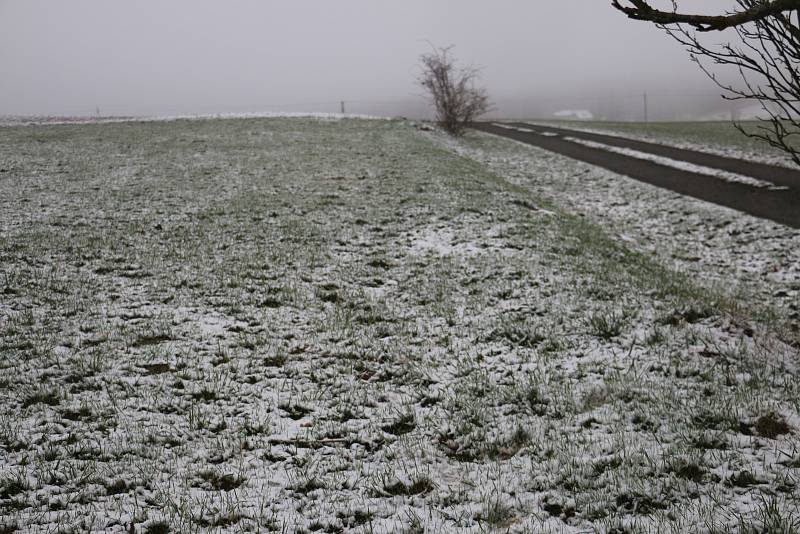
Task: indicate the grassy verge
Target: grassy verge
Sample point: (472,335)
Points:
(297,325)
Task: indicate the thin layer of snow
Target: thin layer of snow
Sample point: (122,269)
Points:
(519,129)
(680,165)
(505,126)
(302,291)
(444,242)
(39,120)
(712,147)
(741,254)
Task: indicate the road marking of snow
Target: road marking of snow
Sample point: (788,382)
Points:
(518,129)
(524,130)
(681,165)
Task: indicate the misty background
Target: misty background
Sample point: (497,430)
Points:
(176,57)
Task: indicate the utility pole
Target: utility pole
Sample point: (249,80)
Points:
(646,118)
(343,107)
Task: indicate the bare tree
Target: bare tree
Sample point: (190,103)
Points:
(452,90)
(765,53)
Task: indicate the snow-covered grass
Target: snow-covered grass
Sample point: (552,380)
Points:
(296,325)
(741,256)
(23,120)
(716,137)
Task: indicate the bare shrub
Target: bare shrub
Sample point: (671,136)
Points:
(452,90)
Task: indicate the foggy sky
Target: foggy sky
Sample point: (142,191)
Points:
(157,57)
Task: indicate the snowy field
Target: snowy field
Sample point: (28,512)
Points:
(306,325)
(743,257)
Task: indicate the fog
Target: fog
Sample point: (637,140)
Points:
(153,57)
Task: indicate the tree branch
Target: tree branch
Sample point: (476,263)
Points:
(642,10)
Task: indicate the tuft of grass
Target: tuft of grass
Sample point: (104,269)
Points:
(517,330)
(772,426)
(403,424)
(417,486)
(691,314)
(12,485)
(157,527)
(607,325)
(771,515)
(216,481)
(496,513)
(50,397)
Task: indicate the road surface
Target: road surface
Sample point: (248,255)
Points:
(675,169)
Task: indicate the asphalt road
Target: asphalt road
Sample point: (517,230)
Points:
(782,206)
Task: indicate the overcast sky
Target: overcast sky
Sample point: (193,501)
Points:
(202,56)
